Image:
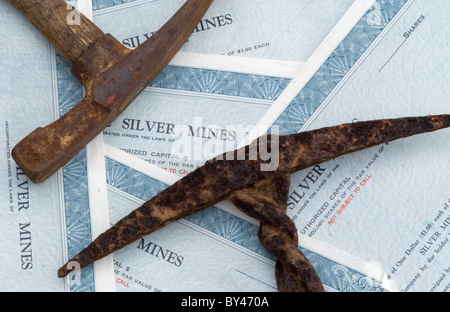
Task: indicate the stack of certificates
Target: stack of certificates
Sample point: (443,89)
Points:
(376,220)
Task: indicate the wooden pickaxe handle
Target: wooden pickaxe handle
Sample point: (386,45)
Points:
(113,76)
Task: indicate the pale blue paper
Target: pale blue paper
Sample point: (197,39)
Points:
(222,252)
(192,97)
(183,96)
(288,30)
(33,93)
(403,199)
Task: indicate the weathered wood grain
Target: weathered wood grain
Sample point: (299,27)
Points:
(113,77)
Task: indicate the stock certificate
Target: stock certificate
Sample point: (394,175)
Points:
(287,30)
(198,107)
(41,225)
(216,249)
(389,204)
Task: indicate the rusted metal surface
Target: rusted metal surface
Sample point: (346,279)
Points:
(221,179)
(266,201)
(113,77)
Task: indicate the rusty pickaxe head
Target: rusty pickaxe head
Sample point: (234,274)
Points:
(113,76)
(259,193)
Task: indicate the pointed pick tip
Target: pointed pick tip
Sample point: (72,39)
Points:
(64,271)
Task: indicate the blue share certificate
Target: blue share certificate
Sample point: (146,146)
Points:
(221,239)
(198,107)
(288,30)
(216,249)
(389,204)
(41,225)
(154,164)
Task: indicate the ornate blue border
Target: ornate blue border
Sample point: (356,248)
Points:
(316,90)
(211,81)
(221,82)
(236,230)
(290,121)
(338,65)
(75,181)
(103,4)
